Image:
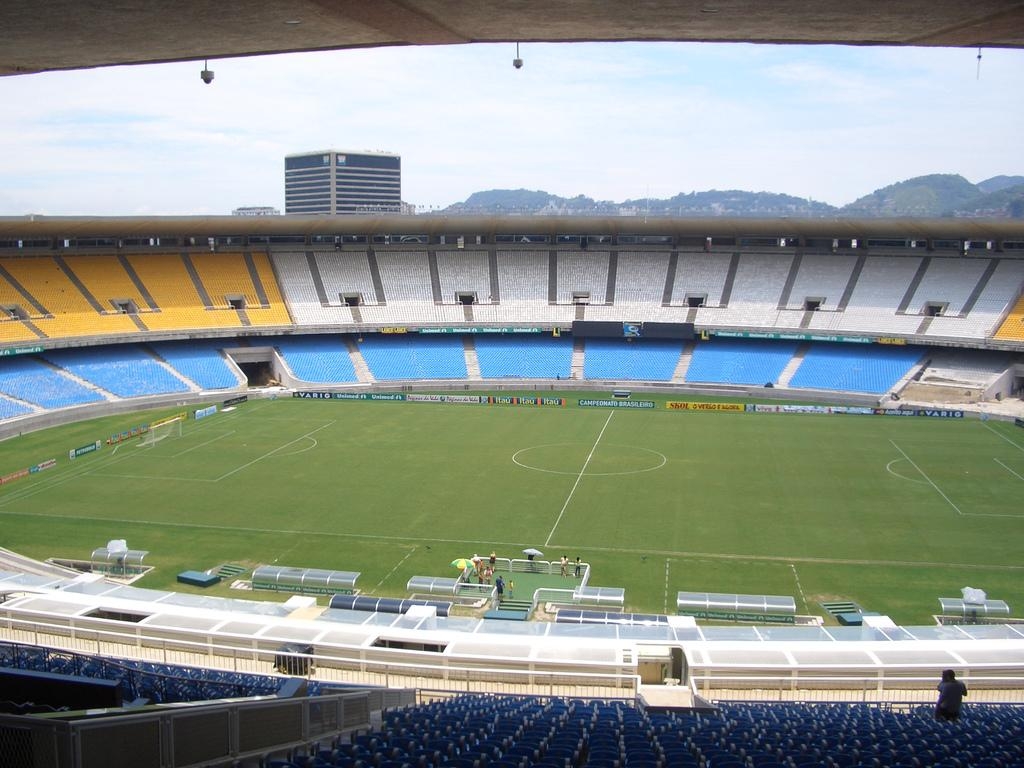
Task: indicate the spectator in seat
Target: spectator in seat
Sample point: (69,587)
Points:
(951,696)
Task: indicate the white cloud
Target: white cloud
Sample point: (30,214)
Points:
(612,121)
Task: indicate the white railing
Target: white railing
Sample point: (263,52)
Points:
(393,667)
(797,686)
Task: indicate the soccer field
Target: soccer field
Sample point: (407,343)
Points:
(891,513)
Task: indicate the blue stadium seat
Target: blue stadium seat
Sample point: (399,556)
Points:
(123,370)
(414,357)
(30,379)
(854,367)
(317,359)
(521,356)
(739,361)
(631,359)
(201,361)
(9,409)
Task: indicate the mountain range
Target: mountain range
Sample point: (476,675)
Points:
(932,196)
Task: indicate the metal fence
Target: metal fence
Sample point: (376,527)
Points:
(216,734)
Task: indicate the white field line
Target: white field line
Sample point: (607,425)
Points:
(392,571)
(172,478)
(800,589)
(65,474)
(248,529)
(997,433)
(579,477)
(943,495)
(176,479)
(889,469)
(665,608)
(270,453)
(201,445)
(1015,474)
(689,556)
(930,481)
(72,471)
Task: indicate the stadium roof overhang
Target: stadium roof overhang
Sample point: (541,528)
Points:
(65,227)
(79,34)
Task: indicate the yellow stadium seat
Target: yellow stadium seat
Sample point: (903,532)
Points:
(1013,326)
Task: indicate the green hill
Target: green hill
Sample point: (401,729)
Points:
(924,196)
(931,196)
(1006,202)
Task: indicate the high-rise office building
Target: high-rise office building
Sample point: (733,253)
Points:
(332,181)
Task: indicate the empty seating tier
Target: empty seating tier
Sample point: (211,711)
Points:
(9,409)
(168,281)
(66,310)
(582,274)
(105,278)
(32,380)
(199,361)
(535,357)
(229,284)
(631,359)
(848,367)
(405,276)
(739,361)
(640,278)
(700,277)
(1013,326)
(526,732)
(319,359)
(464,272)
(123,370)
(414,357)
(345,273)
(523,276)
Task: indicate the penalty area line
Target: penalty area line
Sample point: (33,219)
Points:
(943,495)
(203,444)
(1015,474)
(999,434)
(268,454)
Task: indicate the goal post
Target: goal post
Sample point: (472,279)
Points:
(162,429)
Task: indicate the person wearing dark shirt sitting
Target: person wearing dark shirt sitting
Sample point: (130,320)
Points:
(951,696)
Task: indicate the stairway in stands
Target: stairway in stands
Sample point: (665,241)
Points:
(576,370)
(679,375)
(358,362)
(472,362)
(793,364)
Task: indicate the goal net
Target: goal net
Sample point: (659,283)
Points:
(161,430)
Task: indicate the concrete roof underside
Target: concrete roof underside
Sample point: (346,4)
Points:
(79,34)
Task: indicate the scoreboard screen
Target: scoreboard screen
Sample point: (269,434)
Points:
(617,330)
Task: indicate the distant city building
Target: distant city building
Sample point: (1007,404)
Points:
(256,210)
(333,182)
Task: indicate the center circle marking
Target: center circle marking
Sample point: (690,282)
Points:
(658,460)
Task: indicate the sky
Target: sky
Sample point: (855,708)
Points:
(612,121)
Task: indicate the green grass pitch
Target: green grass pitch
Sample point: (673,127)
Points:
(889,512)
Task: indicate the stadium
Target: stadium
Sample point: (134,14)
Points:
(246,462)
